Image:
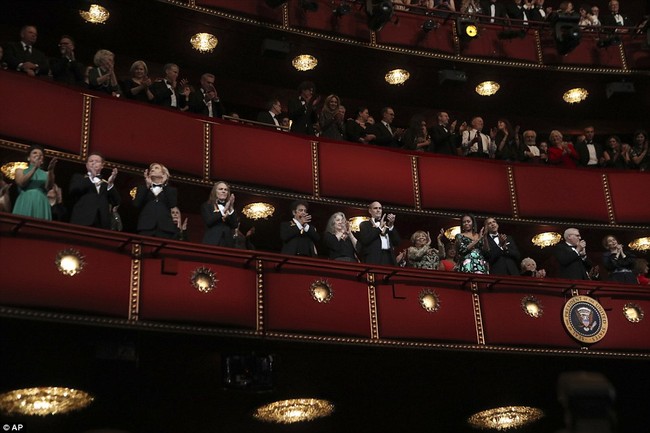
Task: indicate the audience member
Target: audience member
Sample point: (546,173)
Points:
(302,110)
(614,18)
(298,236)
(639,158)
(331,119)
(219,216)
(417,136)
(206,101)
(449,263)
(641,271)
(378,237)
(93,196)
(468,242)
(55,199)
(587,19)
(443,135)
(530,152)
(493,9)
(273,109)
(518,10)
(537,11)
(613,153)
(66,69)
(155,203)
(386,134)
(24,57)
(476,144)
(102,77)
(243,242)
(506,140)
(339,239)
(169,92)
(529,269)
(572,256)
(421,254)
(470,7)
(500,250)
(560,152)
(590,153)
(618,262)
(33,184)
(137,86)
(355,129)
(180,225)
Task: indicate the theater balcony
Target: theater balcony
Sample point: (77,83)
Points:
(171,336)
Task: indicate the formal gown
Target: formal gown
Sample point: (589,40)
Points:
(32,199)
(470,261)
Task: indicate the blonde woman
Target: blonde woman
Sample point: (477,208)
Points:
(339,239)
(102,77)
(155,201)
(219,216)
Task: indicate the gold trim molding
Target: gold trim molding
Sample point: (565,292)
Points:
(513,192)
(315,168)
(478,317)
(86,114)
(415,176)
(136,272)
(372,305)
(608,199)
(259,311)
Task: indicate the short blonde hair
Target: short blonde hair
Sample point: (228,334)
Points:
(101,55)
(163,169)
(139,63)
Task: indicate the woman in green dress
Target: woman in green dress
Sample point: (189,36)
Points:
(469,244)
(33,184)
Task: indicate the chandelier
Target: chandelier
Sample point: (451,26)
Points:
(355,222)
(546,239)
(9,169)
(574,96)
(204,42)
(503,418)
(294,410)
(397,76)
(42,401)
(451,232)
(96,14)
(256,211)
(488,88)
(640,244)
(304,62)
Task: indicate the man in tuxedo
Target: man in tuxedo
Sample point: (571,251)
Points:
(299,237)
(66,69)
(537,12)
(302,110)
(590,153)
(169,92)
(273,108)
(615,18)
(501,250)
(443,136)
(495,10)
(93,196)
(24,57)
(572,256)
(476,144)
(378,237)
(519,10)
(206,101)
(385,134)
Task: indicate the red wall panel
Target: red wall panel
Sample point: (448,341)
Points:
(621,333)
(464,184)
(586,53)
(35,110)
(31,279)
(364,172)
(257,156)
(290,306)
(574,193)
(401,316)
(625,189)
(130,131)
(488,44)
(172,297)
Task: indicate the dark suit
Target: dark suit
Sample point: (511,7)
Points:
(265,117)
(442,140)
(535,14)
(583,153)
(608,20)
(298,242)
(155,211)
(218,231)
(68,71)
(517,12)
(503,261)
(92,208)
(370,240)
(303,116)
(199,106)
(384,136)
(15,54)
(572,265)
(499,11)
(162,95)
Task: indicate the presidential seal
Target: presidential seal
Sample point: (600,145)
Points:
(585,319)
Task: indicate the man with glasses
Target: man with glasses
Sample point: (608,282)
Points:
(66,69)
(572,256)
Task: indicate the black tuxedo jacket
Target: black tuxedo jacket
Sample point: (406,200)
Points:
(503,261)
(198,105)
(499,11)
(162,95)
(92,208)
(442,141)
(534,14)
(583,153)
(218,231)
(155,211)
(384,137)
(517,13)
(572,266)
(303,117)
(265,117)
(607,19)
(298,242)
(370,240)
(67,71)
(15,54)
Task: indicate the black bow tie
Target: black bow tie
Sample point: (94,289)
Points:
(377,220)
(221,201)
(494,236)
(157,185)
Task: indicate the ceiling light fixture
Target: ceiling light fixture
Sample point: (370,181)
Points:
(546,239)
(503,418)
(640,244)
(397,76)
(44,400)
(96,14)
(259,210)
(204,42)
(304,62)
(69,262)
(294,410)
(576,95)
(355,222)
(488,88)
(451,232)
(9,169)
